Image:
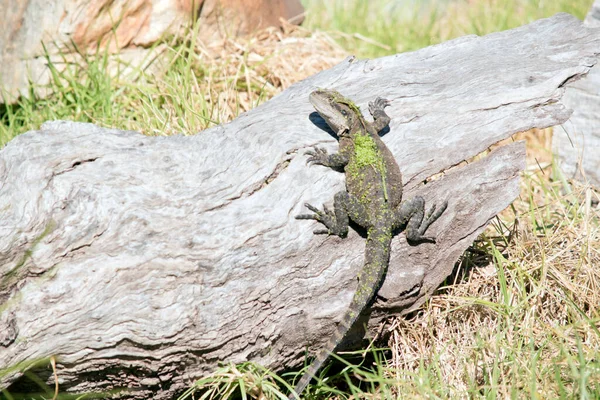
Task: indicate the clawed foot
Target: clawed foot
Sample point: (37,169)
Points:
(318,156)
(432,214)
(326,217)
(430,218)
(378,105)
(415,232)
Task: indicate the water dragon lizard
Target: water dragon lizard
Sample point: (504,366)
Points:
(372,199)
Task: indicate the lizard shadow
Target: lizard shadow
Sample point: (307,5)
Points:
(320,123)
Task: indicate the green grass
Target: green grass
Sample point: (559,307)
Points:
(380,27)
(94,89)
(183,94)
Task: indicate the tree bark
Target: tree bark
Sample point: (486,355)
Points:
(141,262)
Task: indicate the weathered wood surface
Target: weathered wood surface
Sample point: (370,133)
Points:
(143,261)
(577,143)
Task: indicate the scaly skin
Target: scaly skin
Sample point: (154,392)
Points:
(372,200)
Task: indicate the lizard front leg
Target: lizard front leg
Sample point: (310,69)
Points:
(320,156)
(380,118)
(411,214)
(345,207)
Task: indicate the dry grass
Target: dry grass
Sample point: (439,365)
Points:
(185,88)
(231,76)
(520,319)
(245,68)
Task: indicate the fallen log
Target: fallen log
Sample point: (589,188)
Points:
(141,262)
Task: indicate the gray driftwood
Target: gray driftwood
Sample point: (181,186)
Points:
(142,262)
(577,142)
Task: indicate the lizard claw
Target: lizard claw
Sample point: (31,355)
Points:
(378,104)
(316,216)
(312,208)
(317,156)
(326,217)
(430,212)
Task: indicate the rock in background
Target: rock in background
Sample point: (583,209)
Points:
(64,28)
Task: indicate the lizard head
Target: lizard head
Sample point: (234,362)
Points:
(339,112)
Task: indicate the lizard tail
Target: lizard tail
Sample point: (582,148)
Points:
(349,318)
(377,255)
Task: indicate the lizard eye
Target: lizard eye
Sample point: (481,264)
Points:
(344,113)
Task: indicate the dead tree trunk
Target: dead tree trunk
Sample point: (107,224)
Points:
(141,262)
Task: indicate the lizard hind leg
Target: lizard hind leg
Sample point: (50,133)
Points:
(411,214)
(345,207)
